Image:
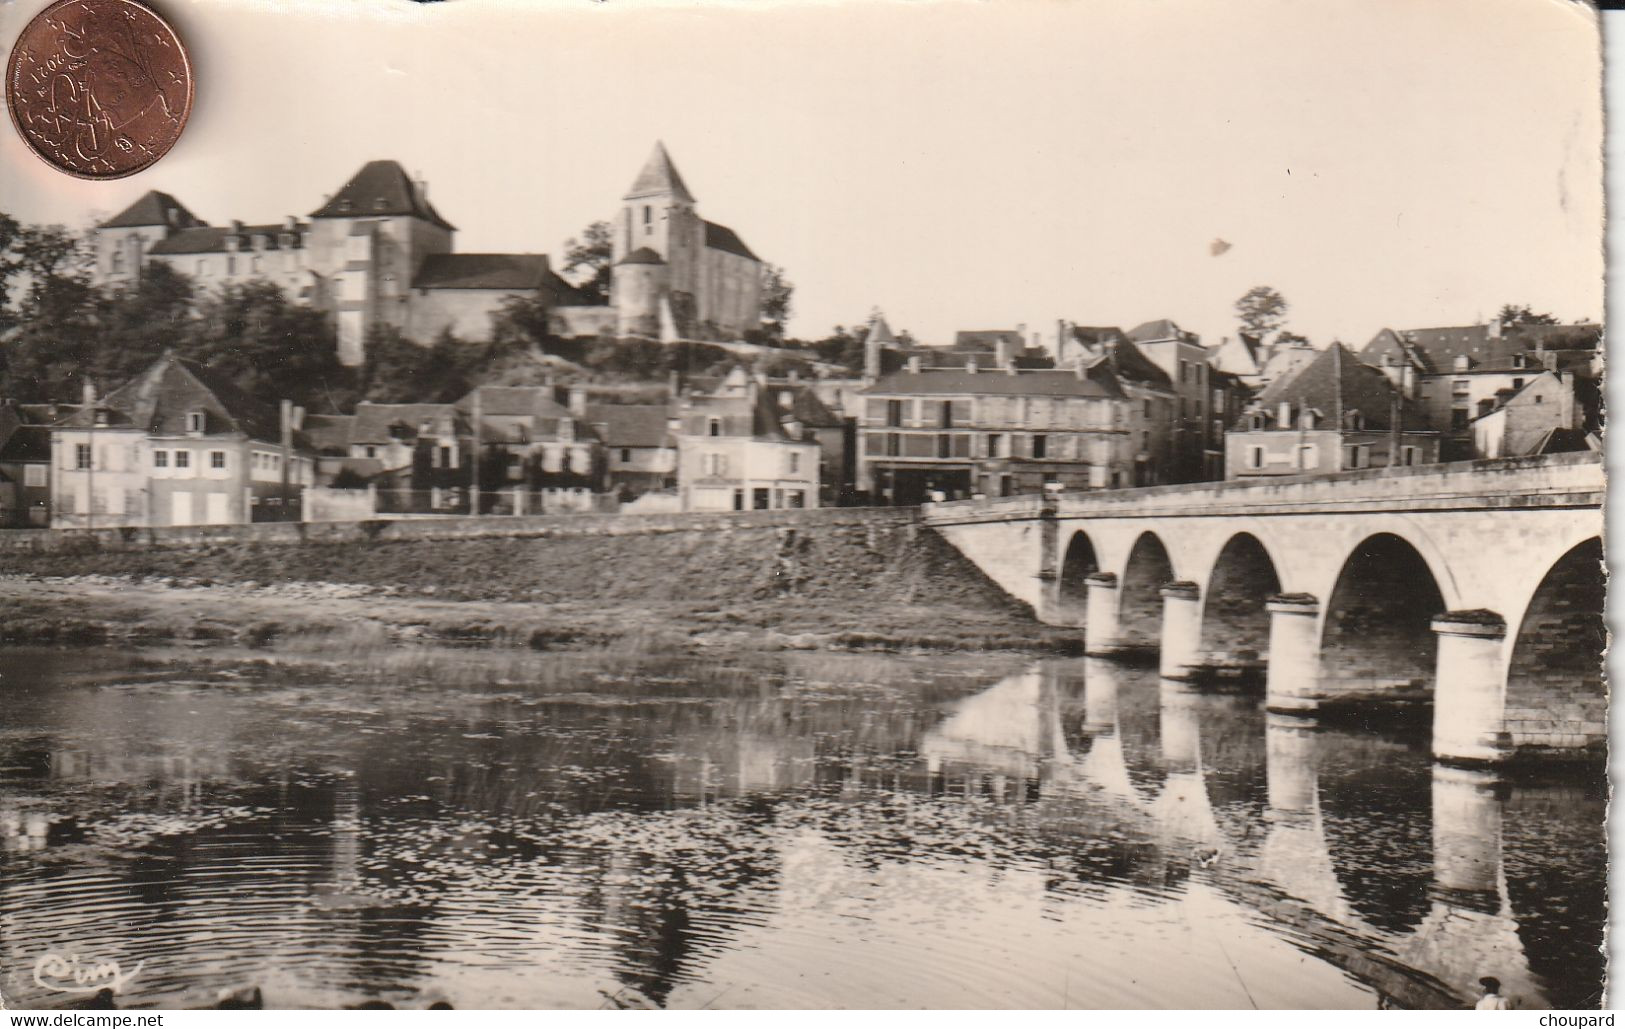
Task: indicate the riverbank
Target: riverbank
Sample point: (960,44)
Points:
(892,586)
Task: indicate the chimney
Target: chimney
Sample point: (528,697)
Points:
(871,357)
(970,364)
(1010,369)
(236,227)
(1021,330)
(793,375)
(1001,353)
(422,186)
(298,418)
(578,402)
(290,223)
(87,392)
(914,364)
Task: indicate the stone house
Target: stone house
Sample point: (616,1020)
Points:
(1198,442)
(739,450)
(956,433)
(526,438)
(1541,416)
(641,445)
(1334,414)
(177,446)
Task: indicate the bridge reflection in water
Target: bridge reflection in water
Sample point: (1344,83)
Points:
(804,831)
(1388,864)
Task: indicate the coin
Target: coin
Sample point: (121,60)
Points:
(99,88)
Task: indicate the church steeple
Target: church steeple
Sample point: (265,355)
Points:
(659,178)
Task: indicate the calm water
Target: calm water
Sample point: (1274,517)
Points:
(539,831)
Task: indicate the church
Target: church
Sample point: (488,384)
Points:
(377,252)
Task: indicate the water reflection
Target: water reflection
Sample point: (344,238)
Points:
(894,831)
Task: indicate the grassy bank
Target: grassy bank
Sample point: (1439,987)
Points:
(856,587)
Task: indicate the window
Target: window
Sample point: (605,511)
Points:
(945,445)
(894,444)
(160,459)
(1458,418)
(1517,384)
(715,464)
(1308,456)
(1255,456)
(760,498)
(1218,429)
(1460,387)
(34,475)
(1409,455)
(445,457)
(373,451)
(1145,408)
(1040,446)
(231,264)
(194,421)
(894,412)
(794,463)
(994,442)
(713,426)
(1358,455)
(795,498)
(946,417)
(254,264)
(626,455)
(81,455)
(217,459)
(1539,398)
(118,261)
(183,459)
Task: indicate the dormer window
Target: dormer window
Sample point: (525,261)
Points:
(1520,360)
(194,421)
(1463,362)
(380,204)
(101,416)
(713,426)
(345,205)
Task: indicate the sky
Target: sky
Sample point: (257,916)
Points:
(958,164)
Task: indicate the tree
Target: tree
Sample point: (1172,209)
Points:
(270,347)
(1261,310)
(777,291)
(1522,314)
(592,256)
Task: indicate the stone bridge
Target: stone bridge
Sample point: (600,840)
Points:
(1476,587)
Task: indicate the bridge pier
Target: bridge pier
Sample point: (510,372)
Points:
(1181,630)
(1469,704)
(1291,685)
(1102,636)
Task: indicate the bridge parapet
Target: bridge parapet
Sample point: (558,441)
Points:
(1553,480)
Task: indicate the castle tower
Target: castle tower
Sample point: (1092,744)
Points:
(658,213)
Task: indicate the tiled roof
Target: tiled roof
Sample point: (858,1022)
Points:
(212,239)
(382,423)
(1129,363)
(632,425)
(328,432)
(534,402)
(158,400)
(1336,383)
(154,208)
(963,383)
(1435,350)
(720,237)
(380,188)
(26,443)
(803,403)
(484,271)
(1162,328)
(659,176)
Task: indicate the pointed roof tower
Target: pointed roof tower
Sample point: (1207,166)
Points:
(659,177)
(879,331)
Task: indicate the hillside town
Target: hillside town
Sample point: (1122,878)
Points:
(991,413)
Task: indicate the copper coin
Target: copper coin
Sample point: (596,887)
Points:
(99,88)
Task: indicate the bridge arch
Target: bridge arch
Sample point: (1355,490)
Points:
(1555,695)
(1072,592)
(1377,630)
(1139,602)
(1235,624)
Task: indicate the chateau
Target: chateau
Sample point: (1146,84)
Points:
(377,252)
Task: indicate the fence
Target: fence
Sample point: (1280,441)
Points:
(325,504)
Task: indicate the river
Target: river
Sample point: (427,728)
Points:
(808,830)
